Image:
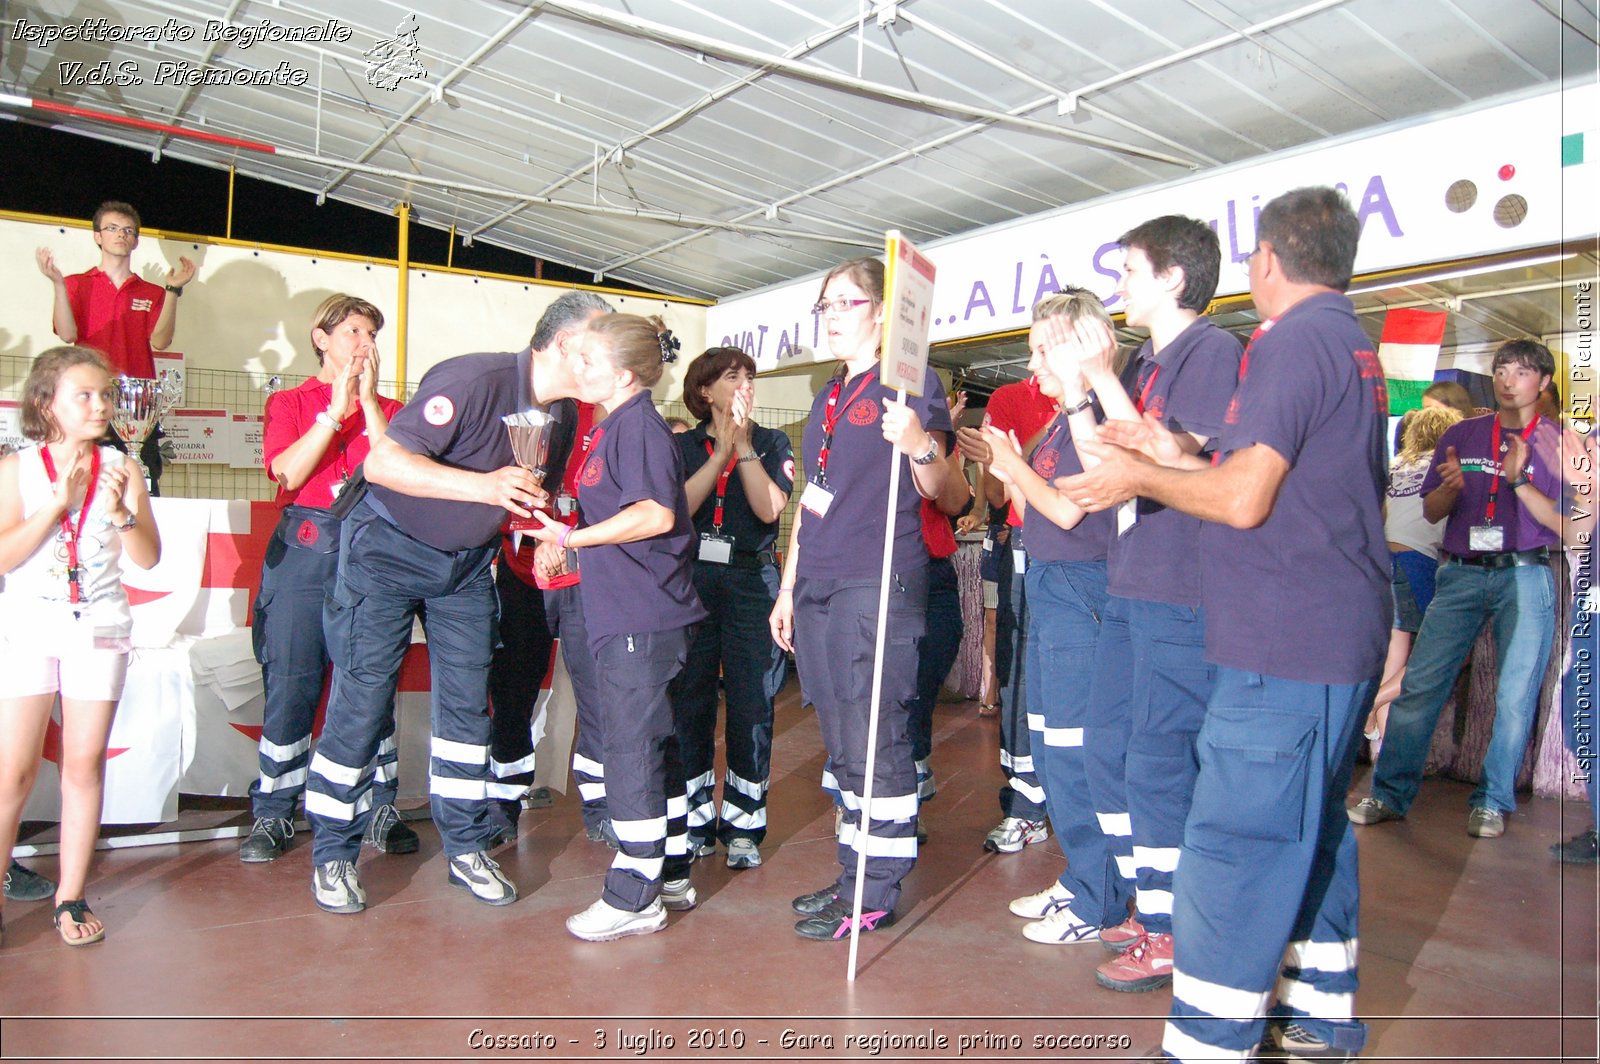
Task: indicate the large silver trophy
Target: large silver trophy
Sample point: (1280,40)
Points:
(530,449)
(141,404)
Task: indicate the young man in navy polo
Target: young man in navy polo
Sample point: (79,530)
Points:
(1139,736)
(110,308)
(443,478)
(1266,901)
(1497,569)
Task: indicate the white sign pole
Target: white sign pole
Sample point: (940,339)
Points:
(862,831)
(908,291)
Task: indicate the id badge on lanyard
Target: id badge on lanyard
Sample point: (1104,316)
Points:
(1490,539)
(715,548)
(816,499)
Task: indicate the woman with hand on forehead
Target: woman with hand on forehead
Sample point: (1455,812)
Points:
(313,438)
(827,609)
(69,507)
(739,477)
(634,543)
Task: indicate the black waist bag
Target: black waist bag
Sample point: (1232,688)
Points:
(309,528)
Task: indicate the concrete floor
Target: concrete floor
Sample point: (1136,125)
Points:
(1471,949)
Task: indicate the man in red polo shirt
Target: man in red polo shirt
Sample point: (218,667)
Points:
(110,308)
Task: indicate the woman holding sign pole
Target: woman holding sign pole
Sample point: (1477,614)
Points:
(827,609)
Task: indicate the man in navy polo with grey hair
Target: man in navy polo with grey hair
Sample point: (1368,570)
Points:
(442,481)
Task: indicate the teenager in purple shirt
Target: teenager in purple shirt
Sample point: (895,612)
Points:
(1066,593)
(1295,588)
(1139,737)
(1496,568)
(634,541)
(827,609)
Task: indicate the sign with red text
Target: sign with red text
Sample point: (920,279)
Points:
(199,435)
(908,302)
(245,452)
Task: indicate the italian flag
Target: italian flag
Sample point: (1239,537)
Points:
(1409,351)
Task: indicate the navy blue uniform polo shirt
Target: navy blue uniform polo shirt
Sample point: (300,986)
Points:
(454,419)
(738,521)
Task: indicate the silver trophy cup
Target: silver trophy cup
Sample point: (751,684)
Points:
(530,440)
(530,449)
(141,404)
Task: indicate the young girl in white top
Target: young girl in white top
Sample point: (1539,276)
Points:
(68,509)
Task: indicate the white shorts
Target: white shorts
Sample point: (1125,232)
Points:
(87,676)
(87,670)
(991,595)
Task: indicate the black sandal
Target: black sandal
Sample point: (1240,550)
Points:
(78,910)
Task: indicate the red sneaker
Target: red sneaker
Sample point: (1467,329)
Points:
(1146,965)
(1116,939)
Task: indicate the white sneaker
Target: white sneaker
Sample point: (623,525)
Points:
(477,872)
(603,923)
(1050,900)
(1061,928)
(1013,833)
(743,853)
(678,895)
(336,888)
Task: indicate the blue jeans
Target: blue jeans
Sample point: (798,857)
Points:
(1520,603)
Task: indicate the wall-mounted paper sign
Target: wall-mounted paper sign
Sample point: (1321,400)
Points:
(11,438)
(200,435)
(246,452)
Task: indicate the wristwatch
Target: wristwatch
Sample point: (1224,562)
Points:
(175,289)
(133,519)
(325,419)
(1519,480)
(931,457)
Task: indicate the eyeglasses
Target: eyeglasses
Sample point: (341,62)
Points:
(838,306)
(114,229)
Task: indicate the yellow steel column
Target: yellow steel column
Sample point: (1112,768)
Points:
(402,296)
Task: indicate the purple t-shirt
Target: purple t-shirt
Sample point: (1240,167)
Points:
(1090,538)
(1305,596)
(644,586)
(1473,440)
(454,419)
(1187,386)
(848,542)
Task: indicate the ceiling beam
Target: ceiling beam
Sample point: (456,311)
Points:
(193,89)
(1061,95)
(1194,52)
(435,93)
(674,120)
(697,42)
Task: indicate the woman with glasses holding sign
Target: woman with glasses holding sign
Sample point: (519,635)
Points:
(738,479)
(827,609)
(312,440)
